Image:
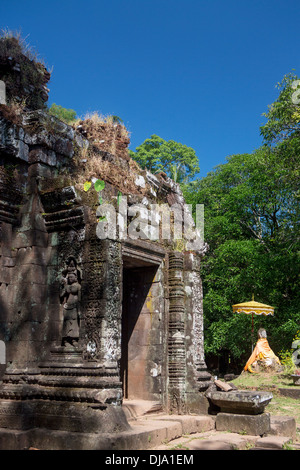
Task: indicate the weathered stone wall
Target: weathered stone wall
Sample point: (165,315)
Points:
(137,303)
(28,251)
(25,78)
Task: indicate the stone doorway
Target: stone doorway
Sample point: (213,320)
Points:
(142,334)
(136,331)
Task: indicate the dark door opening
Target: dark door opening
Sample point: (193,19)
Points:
(136,329)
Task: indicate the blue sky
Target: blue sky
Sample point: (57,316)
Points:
(194,71)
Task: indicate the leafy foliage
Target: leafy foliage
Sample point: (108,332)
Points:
(99,185)
(252,226)
(66,115)
(283,117)
(178,161)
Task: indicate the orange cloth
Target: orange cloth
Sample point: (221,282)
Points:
(262,351)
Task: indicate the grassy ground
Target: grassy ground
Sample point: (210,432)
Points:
(267,381)
(279,405)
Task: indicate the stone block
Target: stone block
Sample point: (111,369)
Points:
(290,392)
(196,403)
(13,439)
(31,238)
(7,294)
(8,262)
(272,442)
(36,255)
(223,441)
(64,147)
(255,425)
(40,169)
(37,351)
(38,293)
(54,331)
(188,423)
(41,155)
(21,330)
(283,426)
(205,423)
(5,275)
(12,416)
(30,274)
(16,351)
(43,138)
(23,150)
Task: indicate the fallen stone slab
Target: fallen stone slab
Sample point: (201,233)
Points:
(240,401)
(255,425)
(210,445)
(223,441)
(272,442)
(226,387)
(290,392)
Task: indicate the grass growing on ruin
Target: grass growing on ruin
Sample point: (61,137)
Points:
(263,381)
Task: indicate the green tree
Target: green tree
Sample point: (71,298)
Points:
(178,161)
(283,116)
(117,119)
(65,115)
(251,226)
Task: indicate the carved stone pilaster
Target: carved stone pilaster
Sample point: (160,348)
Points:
(176,339)
(111,332)
(101,301)
(92,299)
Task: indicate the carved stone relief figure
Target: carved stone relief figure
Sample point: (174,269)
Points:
(70,297)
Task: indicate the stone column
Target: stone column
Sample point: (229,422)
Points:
(101,312)
(176,339)
(113,304)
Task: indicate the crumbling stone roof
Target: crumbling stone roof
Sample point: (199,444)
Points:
(25,78)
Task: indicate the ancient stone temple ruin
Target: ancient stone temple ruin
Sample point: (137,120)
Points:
(94,307)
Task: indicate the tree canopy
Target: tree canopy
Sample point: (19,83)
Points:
(251,206)
(66,115)
(177,160)
(283,116)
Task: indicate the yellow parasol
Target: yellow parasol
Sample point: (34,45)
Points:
(253,308)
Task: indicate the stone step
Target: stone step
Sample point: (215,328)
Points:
(134,409)
(149,432)
(189,424)
(273,442)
